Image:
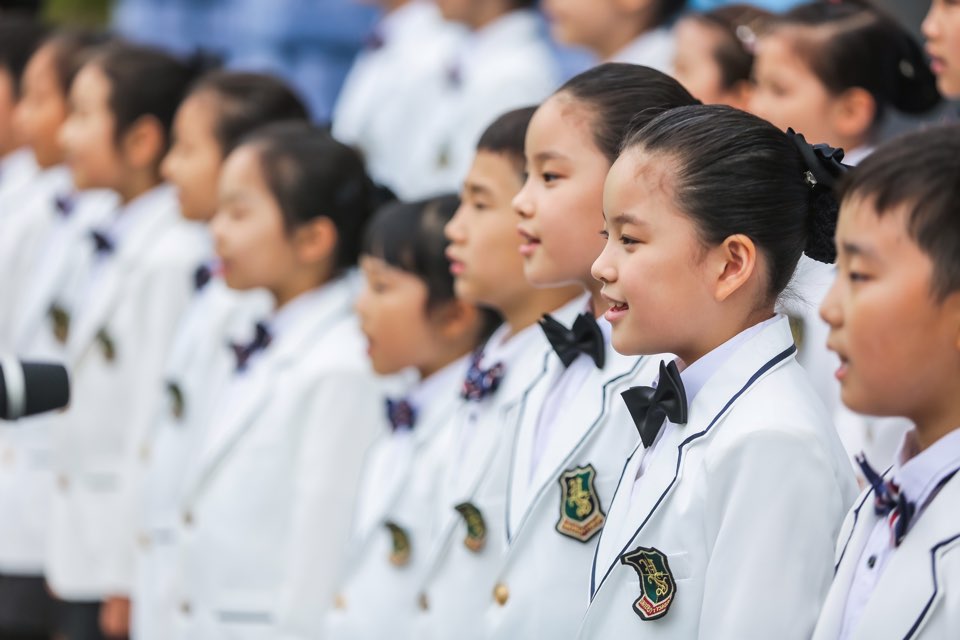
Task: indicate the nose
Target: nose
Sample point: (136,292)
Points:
(929,25)
(603,268)
(830,309)
(522,202)
(453,230)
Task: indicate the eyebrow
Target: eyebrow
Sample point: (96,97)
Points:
(543,156)
(477,189)
(854,249)
(627,218)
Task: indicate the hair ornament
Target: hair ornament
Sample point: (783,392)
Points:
(824,164)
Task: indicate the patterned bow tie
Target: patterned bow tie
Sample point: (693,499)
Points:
(889,502)
(479,382)
(401,413)
(202,277)
(648,406)
(585,337)
(65,205)
(102,244)
(243,352)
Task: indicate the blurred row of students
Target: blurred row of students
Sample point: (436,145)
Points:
(213,467)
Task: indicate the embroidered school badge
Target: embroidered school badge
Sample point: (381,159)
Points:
(580,514)
(797,328)
(107,345)
(476,527)
(657,586)
(400,544)
(176,400)
(60,320)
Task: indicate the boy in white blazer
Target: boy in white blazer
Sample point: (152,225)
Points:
(570,444)
(503,63)
(460,573)
(722,522)
(220,110)
(269,494)
(898,556)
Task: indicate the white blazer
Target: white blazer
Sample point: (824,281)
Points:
(394,524)
(26,477)
(918,593)
(269,500)
(118,340)
(462,569)
(17,169)
(383,91)
(506,65)
(200,362)
(582,463)
(742,505)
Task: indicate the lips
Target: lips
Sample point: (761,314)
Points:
(617,308)
(456,266)
(530,242)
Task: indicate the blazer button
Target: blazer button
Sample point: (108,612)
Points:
(143,540)
(339,602)
(187,518)
(501,594)
(63,482)
(185,608)
(423,602)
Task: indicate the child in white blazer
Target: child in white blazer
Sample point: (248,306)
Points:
(411,319)
(488,270)
(637,32)
(221,109)
(117,332)
(268,497)
(723,520)
(19,39)
(570,444)
(893,312)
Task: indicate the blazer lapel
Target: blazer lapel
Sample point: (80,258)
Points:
(909,588)
(752,361)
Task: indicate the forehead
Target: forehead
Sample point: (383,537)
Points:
(639,181)
(562,124)
(861,224)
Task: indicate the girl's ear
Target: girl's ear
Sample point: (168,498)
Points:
(316,241)
(144,143)
(854,113)
(731,264)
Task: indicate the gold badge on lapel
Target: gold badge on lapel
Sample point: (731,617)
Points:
(657,586)
(176,400)
(107,345)
(581,516)
(476,527)
(797,329)
(400,544)
(60,319)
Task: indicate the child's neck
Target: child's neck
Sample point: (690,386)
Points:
(444,359)
(620,37)
(530,306)
(135,186)
(719,333)
(297,285)
(486,15)
(934,422)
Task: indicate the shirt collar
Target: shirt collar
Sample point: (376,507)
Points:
(696,375)
(441,381)
(919,474)
(128,216)
(290,314)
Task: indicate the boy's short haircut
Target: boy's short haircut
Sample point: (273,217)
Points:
(506,135)
(919,171)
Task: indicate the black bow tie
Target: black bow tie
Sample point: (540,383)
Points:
(401,413)
(102,243)
(585,337)
(648,406)
(202,277)
(64,205)
(243,352)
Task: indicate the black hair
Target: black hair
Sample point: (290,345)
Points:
(73,48)
(919,171)
(246,101)
(20,37)
(623,98)
(506,136)
(667,10)
(854,44)
(146,81)
(523,4)
(740,25)
(311,175)
(734,173)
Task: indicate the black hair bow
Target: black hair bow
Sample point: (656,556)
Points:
(824,163)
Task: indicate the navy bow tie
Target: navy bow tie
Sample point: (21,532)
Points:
(202,277)
(648,406)
(102,244)
(64,205)
(585,337)
(480,382)
(401,413)
(243,352)
(889,502)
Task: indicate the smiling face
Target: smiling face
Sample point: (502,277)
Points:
(561,203)
(941,28)
(898,345)
(653,265)
(484,245)
(194,161)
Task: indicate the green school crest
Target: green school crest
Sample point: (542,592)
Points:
(476,528)
(176,400)
(60,320)
(107,345)
(581,516)
(657,586)
(400,544)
